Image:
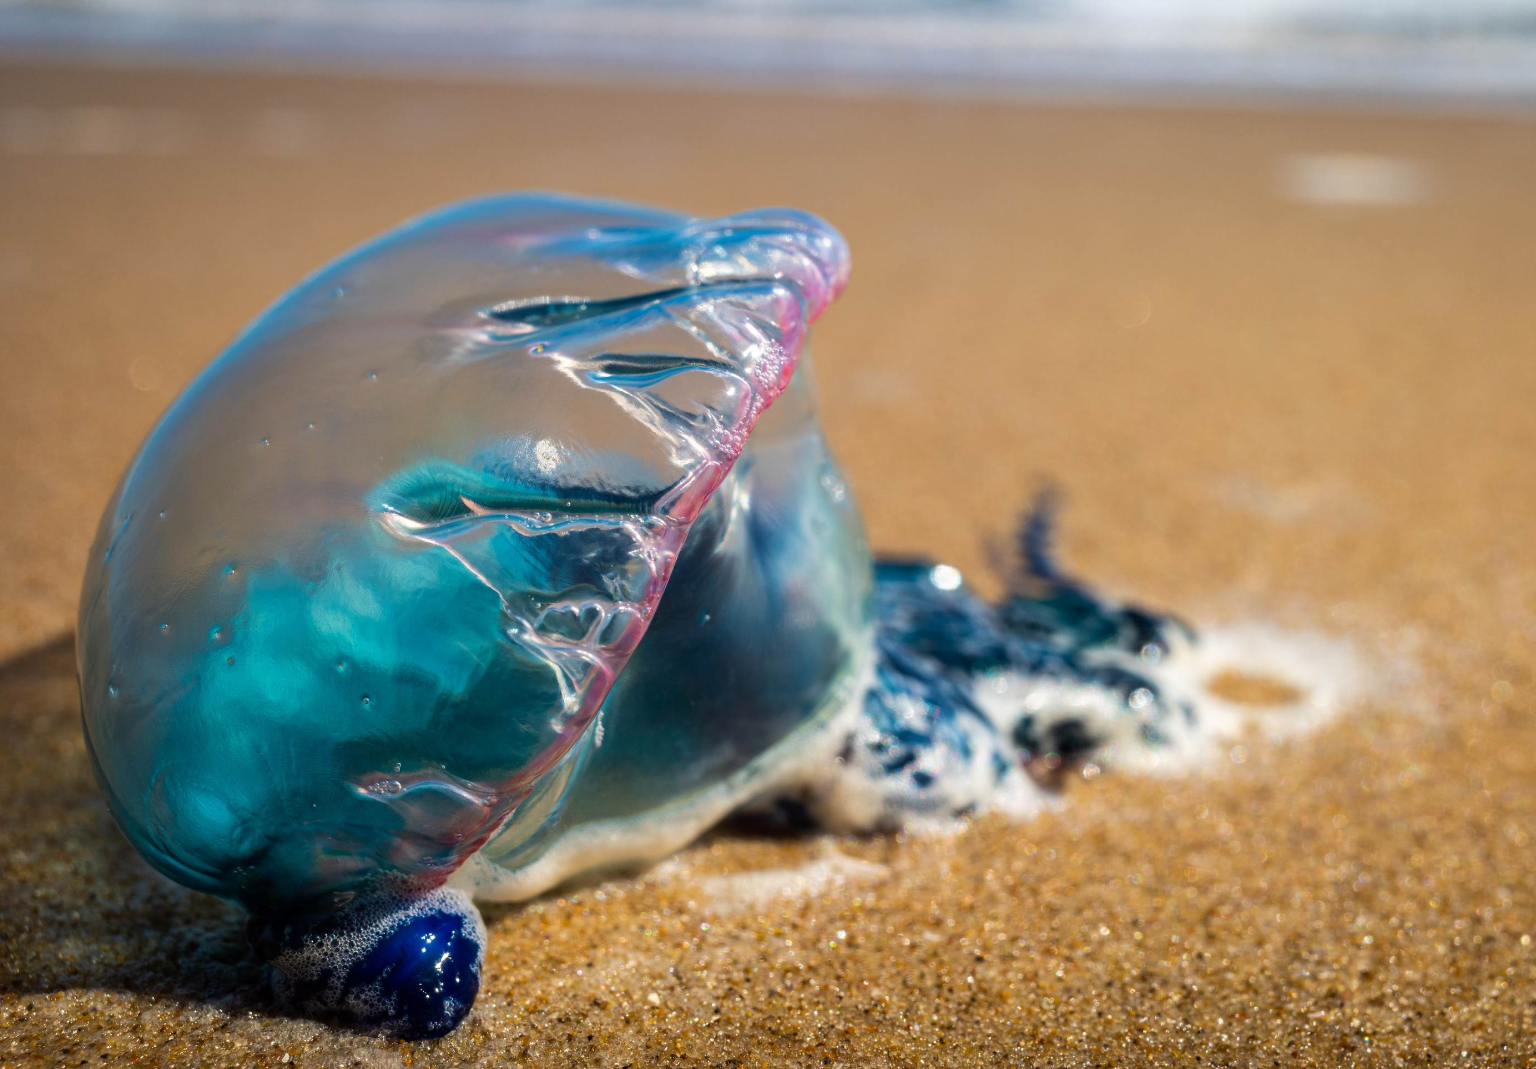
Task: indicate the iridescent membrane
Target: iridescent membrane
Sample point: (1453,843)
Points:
(358,608)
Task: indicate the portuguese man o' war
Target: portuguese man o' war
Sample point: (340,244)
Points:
(508,548)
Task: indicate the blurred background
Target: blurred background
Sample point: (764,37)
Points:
(1251,282)
(1372,47)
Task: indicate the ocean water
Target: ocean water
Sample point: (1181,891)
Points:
(1474,49)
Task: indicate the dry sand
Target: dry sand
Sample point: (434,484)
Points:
(1257,406)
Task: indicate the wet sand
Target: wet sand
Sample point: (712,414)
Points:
(1257,405)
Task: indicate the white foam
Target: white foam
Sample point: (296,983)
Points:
(331,956)
(1326,672)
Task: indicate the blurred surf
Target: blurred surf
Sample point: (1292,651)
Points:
(1393,48)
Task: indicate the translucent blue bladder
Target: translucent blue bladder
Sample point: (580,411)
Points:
(371,598)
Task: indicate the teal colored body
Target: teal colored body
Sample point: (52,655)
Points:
(385,584)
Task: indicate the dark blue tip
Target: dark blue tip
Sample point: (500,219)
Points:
(427,972)
(409,967)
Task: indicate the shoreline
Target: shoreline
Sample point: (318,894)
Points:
(922,55)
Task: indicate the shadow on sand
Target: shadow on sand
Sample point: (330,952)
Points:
(78,907)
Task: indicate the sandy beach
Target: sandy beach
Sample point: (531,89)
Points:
(1278,362)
